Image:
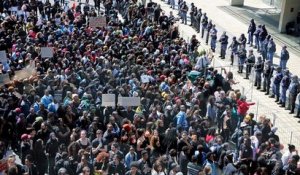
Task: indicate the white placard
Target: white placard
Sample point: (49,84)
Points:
(3,56)
(129,101)
(14,9)
(46,52)
(108,100)
(145,79)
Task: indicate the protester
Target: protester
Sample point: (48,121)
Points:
(54,120)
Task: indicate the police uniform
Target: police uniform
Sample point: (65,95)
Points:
(276,84)
(284,84)
(192,14)
(258,67)
(250,63)
(195,18)
(242,54)
(198,18)
(213,41)
(208,28)
(264,48)
(204,24)
(224,42)
(293,91)
(234,49)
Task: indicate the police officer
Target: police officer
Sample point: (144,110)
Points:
(208,28)
(258,67)
(198,18)
(264,47)
(194,25)
(256,35)
(192,14)
(293,91)
(184,9)
(276,84)
(251,30)
(271,49)
(284,84)
(249,64)
(234,49)
(267,74)
(213,41)
(284,57)
(204,24)
(242,55)
(224,42)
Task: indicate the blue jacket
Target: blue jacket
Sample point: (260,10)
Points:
(181,120)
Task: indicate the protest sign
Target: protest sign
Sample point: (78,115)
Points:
(108,100)
(129,101)
(97,21)
(145,79)
(27,72)
(46,52)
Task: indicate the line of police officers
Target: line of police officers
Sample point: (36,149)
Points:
(273,80)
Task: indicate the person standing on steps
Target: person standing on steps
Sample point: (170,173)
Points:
(194,25)
(234,49)
(271,49)
(208,28)
(249,63)
(284,57)
(192,14)
(258,67)
(214,35)
(172,4)
(293,91)
(262,35)
(298,107)
(267,73)
(276,84)
(264,47)
(256,35)
(243,40)
(184,9)
(284,84)
(224,42)
(198,18)
(242,55)
(204,24)
(251,30)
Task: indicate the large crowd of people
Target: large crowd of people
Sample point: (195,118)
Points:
(190,120)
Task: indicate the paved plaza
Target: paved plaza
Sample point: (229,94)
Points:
(234,25)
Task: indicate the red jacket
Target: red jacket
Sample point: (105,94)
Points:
(243,107)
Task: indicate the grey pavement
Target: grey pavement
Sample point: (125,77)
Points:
(235,23)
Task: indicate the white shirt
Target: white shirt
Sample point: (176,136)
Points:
(286,157)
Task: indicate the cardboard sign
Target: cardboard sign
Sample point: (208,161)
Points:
(129,101)
(97,21)
(108,100)
(3,56)
(46,52)
(27,72)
